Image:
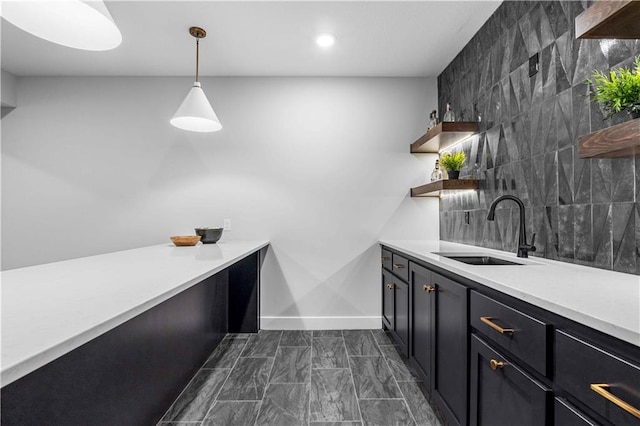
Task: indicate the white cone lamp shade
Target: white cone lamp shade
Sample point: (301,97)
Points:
(195,113)
(85,25)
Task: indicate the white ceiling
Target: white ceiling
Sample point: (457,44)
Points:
(264,38)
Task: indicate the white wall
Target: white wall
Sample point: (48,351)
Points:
(8,91)
(319,166)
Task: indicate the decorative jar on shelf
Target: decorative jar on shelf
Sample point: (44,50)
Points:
(449,115)
(436,174)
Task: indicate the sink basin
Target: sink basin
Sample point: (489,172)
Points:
(479,260)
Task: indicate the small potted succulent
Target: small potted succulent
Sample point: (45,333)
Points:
(618,91)
(453,163)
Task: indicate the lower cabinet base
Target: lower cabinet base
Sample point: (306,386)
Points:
(433,403)
(566,415)
(244,295)
(129,375)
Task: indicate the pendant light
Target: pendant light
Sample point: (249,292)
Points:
(195,113)
(85,25)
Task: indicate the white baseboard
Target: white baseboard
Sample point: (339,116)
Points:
(320,323)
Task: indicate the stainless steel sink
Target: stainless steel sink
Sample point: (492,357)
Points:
(478,259)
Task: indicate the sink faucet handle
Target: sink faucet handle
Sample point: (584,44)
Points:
(531,247)
(524,248)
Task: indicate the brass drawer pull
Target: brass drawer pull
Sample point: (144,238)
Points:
(390,286)
(495,365)
(496,327)
(398,266)
(428,288)
(600,389)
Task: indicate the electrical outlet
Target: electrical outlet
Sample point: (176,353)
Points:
(227,224)
(466,218)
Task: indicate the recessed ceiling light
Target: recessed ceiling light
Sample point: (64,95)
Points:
(326,40)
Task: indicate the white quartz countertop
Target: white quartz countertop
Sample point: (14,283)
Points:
(604,300)
(51,309)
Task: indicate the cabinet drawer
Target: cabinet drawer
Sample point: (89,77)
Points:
(525,337)
(567,415)
(607,384)
(401,267)
(386,259)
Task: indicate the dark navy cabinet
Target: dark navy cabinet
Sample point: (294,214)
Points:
(606,383)
(439,339)
(388,300)
(395,298)
(489,359)
(450,348)
(502,393)
(522,335)
(401,309)
(567,415)
(422,323)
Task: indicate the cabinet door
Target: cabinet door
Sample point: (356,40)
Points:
(220,304)
(388,284)
(451,331)
(567,415)
(501,393)
(401,319)
(423,304)
(244,295)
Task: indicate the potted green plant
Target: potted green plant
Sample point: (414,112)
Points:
(618,91)
(453,163)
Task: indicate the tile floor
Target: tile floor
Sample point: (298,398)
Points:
(314,378)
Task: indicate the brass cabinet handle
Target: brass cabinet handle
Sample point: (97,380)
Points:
(428,288)
(398,266)
(600,389)
(390,286)
(495,365)
(496,327)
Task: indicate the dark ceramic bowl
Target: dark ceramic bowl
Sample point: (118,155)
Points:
(209,235)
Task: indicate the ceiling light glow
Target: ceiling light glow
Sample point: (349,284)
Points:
(326,40)
(85,25)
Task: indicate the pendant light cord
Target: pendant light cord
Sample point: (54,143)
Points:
(197,57)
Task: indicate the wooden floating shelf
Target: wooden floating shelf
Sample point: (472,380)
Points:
(445,134)
(620,140)
(609,19)
(434,189)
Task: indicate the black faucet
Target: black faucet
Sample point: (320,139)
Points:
(523,247)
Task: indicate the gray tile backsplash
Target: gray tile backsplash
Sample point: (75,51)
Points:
(584,211)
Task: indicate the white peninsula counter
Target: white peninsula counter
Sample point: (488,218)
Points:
(50,309)
(147,308)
